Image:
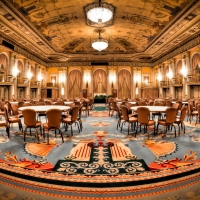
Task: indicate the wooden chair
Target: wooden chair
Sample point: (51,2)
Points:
(126,118)
(12,120)
(143,120)
(191,112)
(5,124)
(15,110)
(159,114)
(169,120)
(119,116)
(53,122)
(31,122)
(73,119)
(180,120)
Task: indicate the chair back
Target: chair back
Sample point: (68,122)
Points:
(14,109)
(170,115)
(119,111)
(80,111)
(2,104)
(142,103)
(28,104)
(47,103)
(114,104)
(158,103)
(40,103)
(20,104)
(168,103)
(29,117)
(190,107)
(6,114)
(77,103)
(143,115)
(184,111)
(74,114)
(198,109)
(180,104)
(53,117)
(175,105)
(124,110)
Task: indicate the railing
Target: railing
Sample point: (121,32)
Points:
(6,78)
(22,81)
(149,85)
(194,78)
(50,85)
(34,83)
(176,81)
(164,83)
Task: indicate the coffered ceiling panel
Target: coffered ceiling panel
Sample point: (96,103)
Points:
(57,29)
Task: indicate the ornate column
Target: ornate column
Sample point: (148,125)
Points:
(159,77)
(66,83)
(133,84)
(109,87)
(139,74)
(90,71)
(188,66)
(173,95)
(60,82)
(13,64)
(27,68)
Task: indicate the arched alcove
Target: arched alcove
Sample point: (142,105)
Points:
(75,80)
(124,84)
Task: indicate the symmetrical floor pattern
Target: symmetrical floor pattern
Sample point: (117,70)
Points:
(101,162)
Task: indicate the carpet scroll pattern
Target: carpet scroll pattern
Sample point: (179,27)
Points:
(101,150)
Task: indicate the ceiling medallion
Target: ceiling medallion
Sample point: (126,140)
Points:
(99,14)
(99,44)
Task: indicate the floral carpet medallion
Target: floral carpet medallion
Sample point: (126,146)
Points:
(99,114)
(41,150)
(161,148)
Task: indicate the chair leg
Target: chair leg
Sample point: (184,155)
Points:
(61,134)
(122,125)
(128,127)
(71,130)
(37,135)
(8,131)
(25,134)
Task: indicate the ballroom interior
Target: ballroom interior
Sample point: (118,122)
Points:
(136,50)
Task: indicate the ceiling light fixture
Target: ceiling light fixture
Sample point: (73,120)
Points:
(100,44)
(99,12)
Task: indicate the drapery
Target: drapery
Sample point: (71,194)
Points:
(196,64)
(124,84)
(178,69)
(75,79)
(99,81)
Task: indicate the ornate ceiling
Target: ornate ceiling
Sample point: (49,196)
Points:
(57,30)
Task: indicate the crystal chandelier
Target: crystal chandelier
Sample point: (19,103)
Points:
(100,44)
(99,12)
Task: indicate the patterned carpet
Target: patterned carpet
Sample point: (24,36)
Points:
(100,160)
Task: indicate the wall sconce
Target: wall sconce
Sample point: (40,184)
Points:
(169,75)
(159,77)
(112,78)
(40,78)
(87,78)
(184,71)
(29,75)
(15,71)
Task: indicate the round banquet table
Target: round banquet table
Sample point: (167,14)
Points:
(68,102)
(44,108)
(152,108)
